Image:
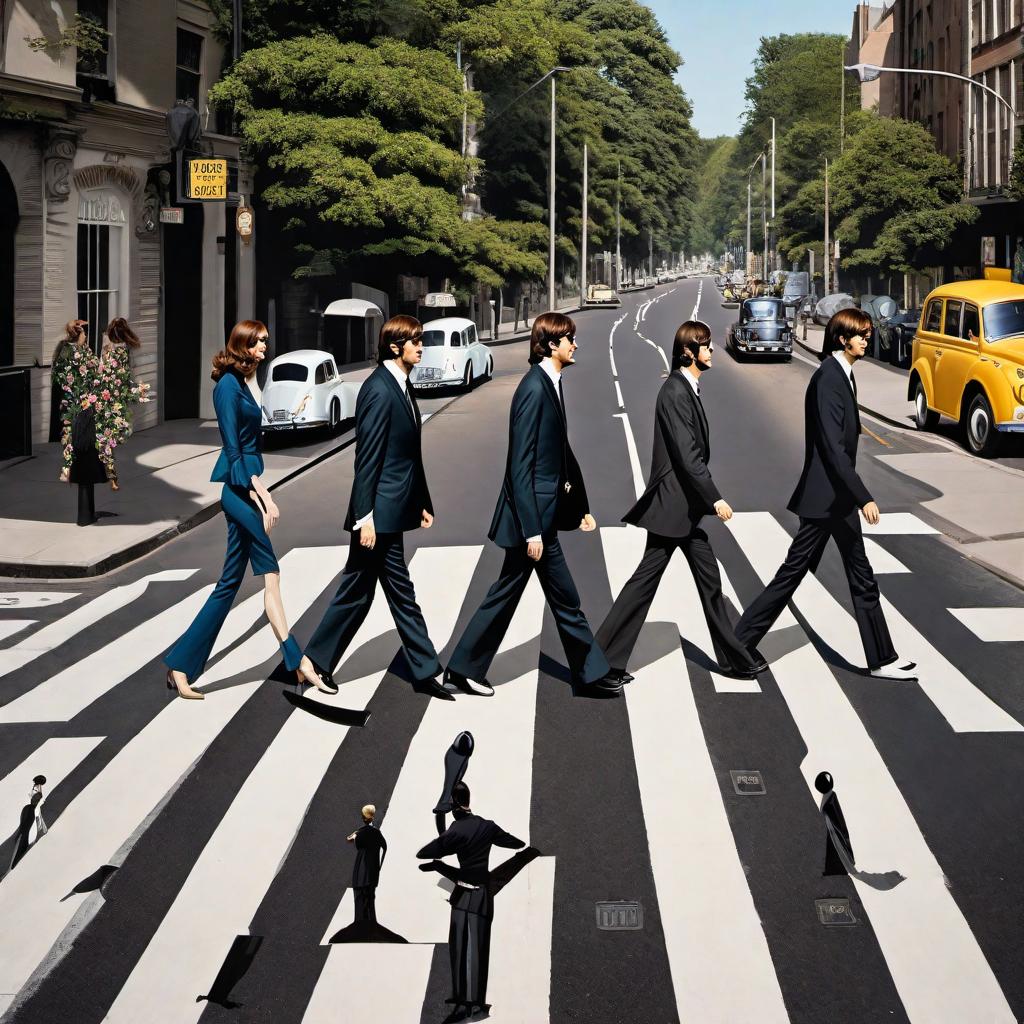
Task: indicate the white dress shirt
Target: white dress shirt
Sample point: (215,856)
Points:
(403,382)
(691,380)
(847,367)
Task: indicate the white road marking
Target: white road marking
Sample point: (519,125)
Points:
(993,625)
(964,707)
(932,955)
(8,627)
(618,396)
(696,306)
(95,826)
(784,621)
(70,625)
(882,561)
(56,759)
(634,457)
(893,524)
(34,598)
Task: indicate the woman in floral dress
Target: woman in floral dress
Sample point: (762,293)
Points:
(76,372)
(117,392)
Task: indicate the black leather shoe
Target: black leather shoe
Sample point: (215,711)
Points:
(736,673)
(456,682)
(607,686)
(326,677)
(432,688)
(624,677)
(759,660)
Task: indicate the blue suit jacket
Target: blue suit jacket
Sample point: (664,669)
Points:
(533,500)
(239,421)
(389,477)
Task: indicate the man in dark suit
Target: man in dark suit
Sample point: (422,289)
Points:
(828,499)
(371,848)
(389,497)
(542,493)
(470,838)
(680,493)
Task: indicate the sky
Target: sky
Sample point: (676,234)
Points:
(718,41)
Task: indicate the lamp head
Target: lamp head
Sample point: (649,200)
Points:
(865,72)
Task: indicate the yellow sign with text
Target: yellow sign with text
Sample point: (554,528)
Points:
(208,179)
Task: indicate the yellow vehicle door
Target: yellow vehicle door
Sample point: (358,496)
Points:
(926,344)
(959,353)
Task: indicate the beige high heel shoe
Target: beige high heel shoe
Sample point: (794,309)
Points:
(186,691)
(312,678)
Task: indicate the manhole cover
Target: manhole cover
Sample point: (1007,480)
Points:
(620,915)
(748,783)
(834,911)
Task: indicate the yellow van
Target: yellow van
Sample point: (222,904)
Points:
(968,361)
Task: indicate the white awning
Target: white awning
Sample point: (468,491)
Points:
(435,300)
(353,307)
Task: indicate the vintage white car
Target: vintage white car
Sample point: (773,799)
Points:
(303,389)
(453,355)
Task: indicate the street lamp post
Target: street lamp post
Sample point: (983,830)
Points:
(583,252)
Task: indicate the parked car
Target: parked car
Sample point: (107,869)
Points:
(453,355)
(303,389)
(968,361)
(796,288)
(762,329)
(830,305)
(896,337)
(601,295)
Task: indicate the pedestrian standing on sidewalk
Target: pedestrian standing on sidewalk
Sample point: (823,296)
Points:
(116,373)
(250,511)
(829,499)
(72,352)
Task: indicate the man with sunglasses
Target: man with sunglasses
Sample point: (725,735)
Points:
(828,499)
(542,493)
(389,497)
(680,493)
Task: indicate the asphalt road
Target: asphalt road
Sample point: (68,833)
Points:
(228,817)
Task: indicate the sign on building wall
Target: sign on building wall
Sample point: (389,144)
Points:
(208,179)
(172,215)
(245,223)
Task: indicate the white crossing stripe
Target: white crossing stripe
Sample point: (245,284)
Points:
(704,925)
(34,598)
(96,825)
(634,457)
(882,561)
(70,625)
(993,625)
(56,759)
(8,627)
(932,955)
(964,707)
(901,524)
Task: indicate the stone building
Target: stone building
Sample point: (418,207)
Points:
(85,173)
(871,42)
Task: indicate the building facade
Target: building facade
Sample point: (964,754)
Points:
(871,42)
(86,173)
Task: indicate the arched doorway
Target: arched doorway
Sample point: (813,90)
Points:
(8,228)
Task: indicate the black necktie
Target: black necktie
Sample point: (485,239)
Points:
(853,381)
(561,399)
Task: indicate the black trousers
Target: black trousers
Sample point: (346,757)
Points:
(619,633)
(86,504)
(365,897)
(804,554)
(486,630)
(469,945)
(351,604)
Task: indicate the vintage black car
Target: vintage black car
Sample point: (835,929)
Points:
(762,329)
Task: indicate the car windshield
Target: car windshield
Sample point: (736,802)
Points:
(761,311)
(290,371)
(1004,320)
(432,339)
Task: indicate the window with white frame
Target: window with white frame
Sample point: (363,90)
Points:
(102,260)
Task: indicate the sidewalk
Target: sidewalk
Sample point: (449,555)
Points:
(979,504)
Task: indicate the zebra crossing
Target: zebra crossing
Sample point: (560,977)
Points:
(707,905)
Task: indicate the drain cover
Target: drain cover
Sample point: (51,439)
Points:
(620,915)
(834,911)
(748,783)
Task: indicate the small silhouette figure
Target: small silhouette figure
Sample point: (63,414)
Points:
(31,826)
(456,761)
(371,848)
(839,858)
(238,961)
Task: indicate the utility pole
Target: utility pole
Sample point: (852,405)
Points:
(747,253)
(764,216)
(827,269)
(618,229)
(551,206)
(236,30)
(650,250)
(583,252)
(773,186)
(842,101)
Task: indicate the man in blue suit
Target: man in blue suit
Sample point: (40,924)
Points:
(389,497)
(542,493)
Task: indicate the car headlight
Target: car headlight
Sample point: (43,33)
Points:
(298,410)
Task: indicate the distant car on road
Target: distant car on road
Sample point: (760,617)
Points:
(453,355)
(303,389)
(601,295)
(968,362)
(762,329)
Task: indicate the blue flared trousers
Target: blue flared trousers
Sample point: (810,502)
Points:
(247,542)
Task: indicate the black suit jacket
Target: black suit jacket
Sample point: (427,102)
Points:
(470,838)
(371,848)
(533,500)
(681,489)
(829,484)
(389,477)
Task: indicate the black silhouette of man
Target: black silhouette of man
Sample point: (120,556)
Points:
(839,858)
(371,848)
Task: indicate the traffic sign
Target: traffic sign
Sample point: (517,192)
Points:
(208,179)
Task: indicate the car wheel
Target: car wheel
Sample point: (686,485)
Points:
(334,416)
(468,381)
(490,368)
(979,427)
(924,418)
